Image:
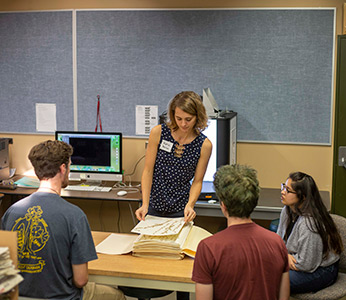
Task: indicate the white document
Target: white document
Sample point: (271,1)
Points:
(117,244)
(159,226)
(46,117)
(146,118)
(4,252)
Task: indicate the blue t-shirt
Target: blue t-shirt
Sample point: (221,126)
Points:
(172,175)
(52,235)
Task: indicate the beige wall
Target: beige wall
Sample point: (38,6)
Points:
(133,150)
(273,161)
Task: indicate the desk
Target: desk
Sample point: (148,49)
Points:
(268,208)
(88,195)
(128,270)
(269,205)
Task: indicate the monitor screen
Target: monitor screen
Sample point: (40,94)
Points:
(208,191)
(211,134)
(96,156)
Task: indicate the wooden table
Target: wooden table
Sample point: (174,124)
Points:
(127,270)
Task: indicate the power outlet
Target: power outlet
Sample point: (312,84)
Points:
(342,156)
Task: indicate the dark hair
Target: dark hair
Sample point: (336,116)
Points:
(237,187)
(310,204)
(48,156)
(192,104)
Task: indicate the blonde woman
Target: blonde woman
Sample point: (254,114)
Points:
(177,152)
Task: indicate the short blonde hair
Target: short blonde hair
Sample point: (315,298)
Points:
(191,103)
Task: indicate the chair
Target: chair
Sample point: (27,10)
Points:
(338,289)
(1,197)
(143,294)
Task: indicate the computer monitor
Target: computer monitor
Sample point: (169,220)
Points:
(222,134)
(97,156)
(211,133)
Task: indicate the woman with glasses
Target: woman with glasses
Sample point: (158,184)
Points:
(311,237)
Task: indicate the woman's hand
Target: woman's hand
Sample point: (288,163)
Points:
(189,214)
(292,262)
(141,213)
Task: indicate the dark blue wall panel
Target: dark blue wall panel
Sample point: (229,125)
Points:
(35,67)
(274,67)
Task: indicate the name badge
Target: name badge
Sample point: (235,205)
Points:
(166,146)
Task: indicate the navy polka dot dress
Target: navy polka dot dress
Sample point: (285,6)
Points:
(172,175)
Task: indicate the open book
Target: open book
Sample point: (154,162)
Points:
(167,238)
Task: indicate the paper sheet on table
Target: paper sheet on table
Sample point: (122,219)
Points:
(117,244)
(159,226)
(28,182)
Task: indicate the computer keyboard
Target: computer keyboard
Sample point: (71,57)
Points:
(88,188)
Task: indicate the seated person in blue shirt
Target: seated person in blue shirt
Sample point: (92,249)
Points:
(310,234)
(54,238)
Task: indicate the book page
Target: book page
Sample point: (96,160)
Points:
(196,234)
(159,226)
(117,244)
(184,233)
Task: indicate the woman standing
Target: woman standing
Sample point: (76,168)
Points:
(311,237)
(177,153)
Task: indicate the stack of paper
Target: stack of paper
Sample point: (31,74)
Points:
(9,277)
(117,243)
(28,182)
(167,238)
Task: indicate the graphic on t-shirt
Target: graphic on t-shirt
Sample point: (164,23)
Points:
(32,238)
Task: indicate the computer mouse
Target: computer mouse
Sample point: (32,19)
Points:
(212,201)
(121,193)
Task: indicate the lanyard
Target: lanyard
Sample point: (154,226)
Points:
(98,116)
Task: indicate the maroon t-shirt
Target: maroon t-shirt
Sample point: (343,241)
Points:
(243,261)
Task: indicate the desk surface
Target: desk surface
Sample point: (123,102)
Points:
(268,208)
(269,205)
(111,196)
(128,270)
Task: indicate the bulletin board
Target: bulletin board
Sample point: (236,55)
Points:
(35,67)
(274,67)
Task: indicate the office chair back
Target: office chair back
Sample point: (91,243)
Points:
(143,293)
(338,289)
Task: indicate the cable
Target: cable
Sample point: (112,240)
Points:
(127,188)
(134,169)
(118,204)
(132,214)
(100,216)
(122,184)
(98,115)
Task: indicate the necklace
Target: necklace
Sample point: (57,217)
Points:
(48,188)
(179,150)
(179,147)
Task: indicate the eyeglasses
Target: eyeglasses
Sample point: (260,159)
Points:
(285,188)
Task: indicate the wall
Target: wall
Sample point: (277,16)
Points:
(273,161)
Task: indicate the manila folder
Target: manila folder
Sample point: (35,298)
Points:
(195,235)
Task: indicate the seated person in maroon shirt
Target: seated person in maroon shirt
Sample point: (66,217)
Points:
(244,261)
